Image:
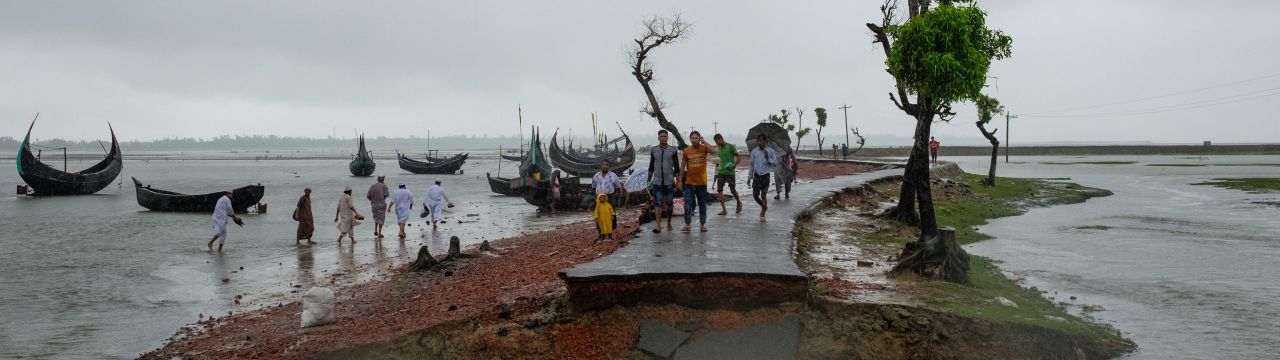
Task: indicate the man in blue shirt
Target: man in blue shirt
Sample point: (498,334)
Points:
(763,160)
(664,171)
(606,182)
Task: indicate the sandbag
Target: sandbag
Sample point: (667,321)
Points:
(317,307)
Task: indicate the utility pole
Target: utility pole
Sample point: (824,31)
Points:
(1007,116)
(846,124)
(716,124)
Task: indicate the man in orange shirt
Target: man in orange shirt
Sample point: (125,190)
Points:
(695,179)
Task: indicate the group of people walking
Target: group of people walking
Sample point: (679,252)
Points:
(381,201)
(673,170)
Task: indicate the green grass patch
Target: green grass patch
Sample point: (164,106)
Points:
(1270,165)
(1252,185)
(978,299)
(1103,162)
(1010,197)
(1178,165)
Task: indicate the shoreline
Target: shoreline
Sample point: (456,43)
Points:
(513,304)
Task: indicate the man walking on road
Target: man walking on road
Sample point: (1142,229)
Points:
(695,180)
(664,166)
(763,160)
(726,173)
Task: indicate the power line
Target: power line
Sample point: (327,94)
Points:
(1157,96)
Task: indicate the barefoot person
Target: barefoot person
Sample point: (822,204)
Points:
(695,180)
(221,212)
(378,194)
(347,217)
(726,173)
(934,145)
(437,200)
(306,221)
(664,164)
(402,200)
(763,159)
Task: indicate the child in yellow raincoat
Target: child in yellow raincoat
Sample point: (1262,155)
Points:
(606,220)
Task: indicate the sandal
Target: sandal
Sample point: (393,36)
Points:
(657,230)
(703,229)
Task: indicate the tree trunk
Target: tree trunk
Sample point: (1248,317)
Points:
(424,262)
(656,111)
(995,149)
(924,195)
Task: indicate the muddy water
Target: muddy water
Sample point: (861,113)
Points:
(100,277)
(1188,272)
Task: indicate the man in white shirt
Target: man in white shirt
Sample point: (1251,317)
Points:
(606,182)
(221,213)
(437,200)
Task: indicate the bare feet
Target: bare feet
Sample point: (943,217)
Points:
(685,228)
(704,228)
(739,207)
(724,212)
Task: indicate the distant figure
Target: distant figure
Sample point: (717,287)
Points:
(378,194)
(553,195)
(347,217)
(844,149)
(221,212)
(933,148)
(695,180)
(306,221)
(437,200)
(402,201)
(785,174)
(835,151)
(606,182)
(606,220)
(664,164)
(726,173)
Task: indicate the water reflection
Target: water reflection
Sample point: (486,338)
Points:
(306,266)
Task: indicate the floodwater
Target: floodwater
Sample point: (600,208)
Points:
(1188,272)
(100,277)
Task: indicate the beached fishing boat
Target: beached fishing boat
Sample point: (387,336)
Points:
(46,180)
(512,157)
(162,200)
(501,186)
(363,164)
(446,166)
(586,167)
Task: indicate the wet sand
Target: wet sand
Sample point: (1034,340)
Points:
(403,302)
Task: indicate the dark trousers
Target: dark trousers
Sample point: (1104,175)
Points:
(759,188)
(695,195)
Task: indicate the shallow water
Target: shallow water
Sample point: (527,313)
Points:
(99,276)
(1188,272)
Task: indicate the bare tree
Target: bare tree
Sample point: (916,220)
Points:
(658,31)
(862,141)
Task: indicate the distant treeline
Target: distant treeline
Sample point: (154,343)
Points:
(273,142)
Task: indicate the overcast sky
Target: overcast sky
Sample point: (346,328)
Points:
(311,68)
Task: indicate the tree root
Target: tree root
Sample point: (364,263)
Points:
(939,257)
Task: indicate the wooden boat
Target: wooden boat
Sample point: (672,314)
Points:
(362,165)
(46,180)
(161,200)
(572,193)
(447,166)
(587,167)
(512,157)
(501,186)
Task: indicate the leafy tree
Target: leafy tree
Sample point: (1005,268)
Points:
(822,122)
(988,107)
(939,56)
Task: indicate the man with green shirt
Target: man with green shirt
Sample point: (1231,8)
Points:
(726,173)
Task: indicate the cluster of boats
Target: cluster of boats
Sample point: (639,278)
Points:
(45,180)
(363,164)
(573,169)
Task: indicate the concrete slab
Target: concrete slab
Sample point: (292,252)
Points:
(752,262)
(660,339)
(775,340)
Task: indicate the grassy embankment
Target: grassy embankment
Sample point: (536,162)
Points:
(965,211)
(1252,185)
